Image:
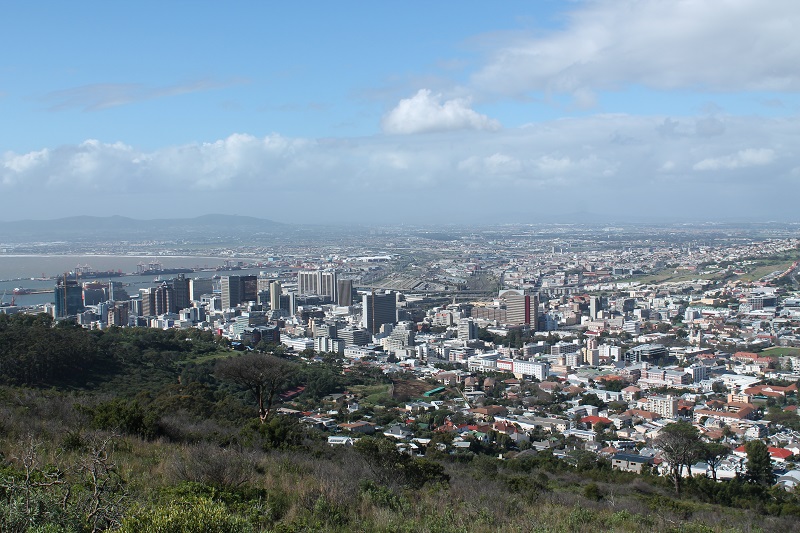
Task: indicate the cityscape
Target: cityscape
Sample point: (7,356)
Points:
(421,267)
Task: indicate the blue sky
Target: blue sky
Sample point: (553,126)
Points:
(417,111)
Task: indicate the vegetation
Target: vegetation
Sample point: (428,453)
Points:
(151,434)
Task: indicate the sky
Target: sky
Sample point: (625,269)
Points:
(402,112)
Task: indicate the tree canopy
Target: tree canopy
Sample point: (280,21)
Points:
(264,375)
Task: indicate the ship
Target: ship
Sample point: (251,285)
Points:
(86,272)
(20,290)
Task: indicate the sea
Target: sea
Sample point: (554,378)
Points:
(38,272)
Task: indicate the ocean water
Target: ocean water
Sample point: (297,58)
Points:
(25,271)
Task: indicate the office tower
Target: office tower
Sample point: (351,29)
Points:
(467,329)
(594,306)
(231,288)
(288,303)
(163,299)
(378,309)
(200,286)
(521,307)
(327,284)
(344,292)
(275,295)
(263,282)
(148,306)
(135,306)
(180,286)
(318,282)
(249,288)
(353,336)
(402,336)
(117,292)
(307,282)
(94,293)
(118,315)
(68,298)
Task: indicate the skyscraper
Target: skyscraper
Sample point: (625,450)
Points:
(200,286)
(317,282)
(307,281)
(249,288)
(521,307)
(344,292)
(378,309)
(467,329)
(164,299)
(69,298)
(594,306)
(231,288)
(180,286)
(275,295)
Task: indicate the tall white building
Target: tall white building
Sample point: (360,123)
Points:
(665,406)
(317,282)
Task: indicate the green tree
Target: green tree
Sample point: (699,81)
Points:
(262,374)
(713,453)
(680,444)
(759,463)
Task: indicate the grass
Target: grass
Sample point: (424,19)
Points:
(781,352)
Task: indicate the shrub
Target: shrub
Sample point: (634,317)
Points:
(199,515)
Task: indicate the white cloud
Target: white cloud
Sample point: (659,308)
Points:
(750,157)
(411,177)
(425,112)
(717,45)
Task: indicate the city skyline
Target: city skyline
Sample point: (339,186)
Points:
(510,113)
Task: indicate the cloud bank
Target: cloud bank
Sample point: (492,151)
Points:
(677,44)
(597,163)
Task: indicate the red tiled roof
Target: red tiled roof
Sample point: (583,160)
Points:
(595,419)
(779,453)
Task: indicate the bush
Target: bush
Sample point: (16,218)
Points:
(198,515)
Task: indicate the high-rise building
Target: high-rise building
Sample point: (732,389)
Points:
(200,286)
(231,289)
(354,336)
(344,292)
(378,309)
(69,298)
(118,315)
(401,337)
(467,329)
(328,284)
(117,292)
(94,293)
(521,307)
(275,295)
(180,286)
(308,282)
(164,299)
(594,306)
(318,282)
(249,288)
(148,306)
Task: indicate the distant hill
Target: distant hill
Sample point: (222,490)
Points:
(86,227)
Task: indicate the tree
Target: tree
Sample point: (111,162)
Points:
(759,463)
(713,453)
(679,443)
(718,387)
(262,374)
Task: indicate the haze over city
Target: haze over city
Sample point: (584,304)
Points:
(343,113)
